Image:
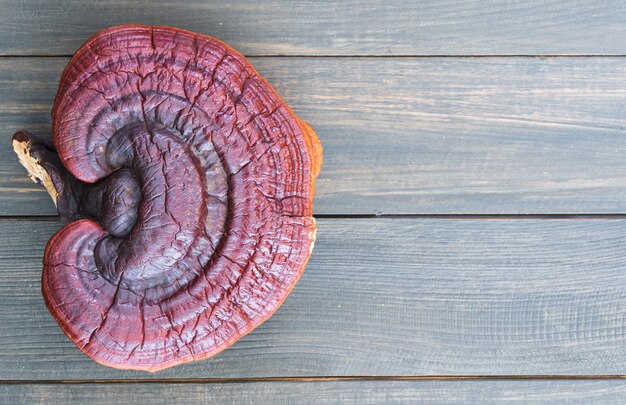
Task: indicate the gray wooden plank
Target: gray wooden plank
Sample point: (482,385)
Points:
(324,392)
(385,297)
(371,27)
(413,135)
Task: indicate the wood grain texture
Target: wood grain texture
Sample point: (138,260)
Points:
(413,135)
(385,297)
(364,27)
(323,392)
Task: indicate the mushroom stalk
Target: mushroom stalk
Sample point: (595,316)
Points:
(112,202)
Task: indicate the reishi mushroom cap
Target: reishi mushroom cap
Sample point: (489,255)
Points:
(190,183)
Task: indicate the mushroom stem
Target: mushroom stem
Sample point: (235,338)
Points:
(112,202)
(44,166)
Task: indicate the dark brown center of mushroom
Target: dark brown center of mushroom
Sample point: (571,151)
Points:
(155,206)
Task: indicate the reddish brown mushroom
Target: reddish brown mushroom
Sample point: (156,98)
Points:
(189,184)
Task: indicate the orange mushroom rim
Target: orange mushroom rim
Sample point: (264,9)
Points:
(188,186)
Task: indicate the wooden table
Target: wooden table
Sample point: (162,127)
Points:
(471,207)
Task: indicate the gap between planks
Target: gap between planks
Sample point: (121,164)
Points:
(460,217)
(364,56)
(314,379)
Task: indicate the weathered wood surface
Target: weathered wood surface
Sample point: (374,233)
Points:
(413,135)
(366,27)
(385,297)
(403,135)
(323,392)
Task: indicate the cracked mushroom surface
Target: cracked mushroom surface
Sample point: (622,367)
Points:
(188,184)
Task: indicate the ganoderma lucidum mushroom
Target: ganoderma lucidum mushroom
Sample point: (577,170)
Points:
(189,186)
